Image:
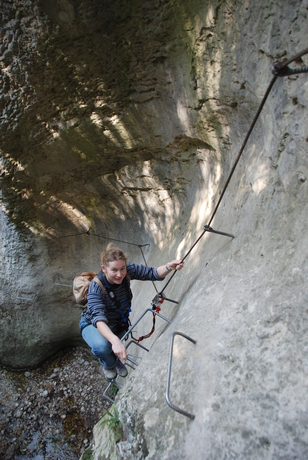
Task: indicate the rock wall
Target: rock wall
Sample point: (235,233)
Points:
(82,149)
(126,119)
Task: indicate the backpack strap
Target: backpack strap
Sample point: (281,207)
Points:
(97,281)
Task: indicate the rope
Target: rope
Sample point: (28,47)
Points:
(280,69)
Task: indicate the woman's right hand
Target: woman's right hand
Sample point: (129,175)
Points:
(119,349)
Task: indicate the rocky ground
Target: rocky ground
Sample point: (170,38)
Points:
(49,412)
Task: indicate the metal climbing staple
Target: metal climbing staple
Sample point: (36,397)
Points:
(181,411)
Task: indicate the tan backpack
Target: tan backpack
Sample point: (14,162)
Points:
(81,286)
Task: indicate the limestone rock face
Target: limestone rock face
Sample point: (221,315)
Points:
(123,120)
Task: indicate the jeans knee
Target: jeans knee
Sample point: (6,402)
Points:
(101,349)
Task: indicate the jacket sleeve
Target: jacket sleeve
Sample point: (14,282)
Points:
(96,304)
(143,273)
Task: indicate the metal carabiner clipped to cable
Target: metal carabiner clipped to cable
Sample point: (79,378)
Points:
(158,300)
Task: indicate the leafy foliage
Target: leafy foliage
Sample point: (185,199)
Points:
(113,423)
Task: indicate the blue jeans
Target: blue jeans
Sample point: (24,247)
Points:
(100,347)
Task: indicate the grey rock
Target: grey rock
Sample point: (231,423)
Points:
(138,147)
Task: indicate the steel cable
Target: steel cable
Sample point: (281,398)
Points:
(280,69)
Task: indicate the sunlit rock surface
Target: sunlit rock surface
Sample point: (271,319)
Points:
(125,119)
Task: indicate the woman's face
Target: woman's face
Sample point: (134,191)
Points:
(115,271)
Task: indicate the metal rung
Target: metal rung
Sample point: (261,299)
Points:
(132,361)
(169,375)
(113,382)
(135,356)
(138,345)
(129,365)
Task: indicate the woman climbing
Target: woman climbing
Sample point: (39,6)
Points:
(105,320)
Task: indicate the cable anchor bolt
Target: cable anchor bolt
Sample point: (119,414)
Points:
(281,70)
(207,228)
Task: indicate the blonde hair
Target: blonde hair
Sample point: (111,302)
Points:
(112,253)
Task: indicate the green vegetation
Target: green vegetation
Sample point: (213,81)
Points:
(115,390)
(87,454)
(113,423)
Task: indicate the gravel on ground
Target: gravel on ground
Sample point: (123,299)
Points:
(49,412)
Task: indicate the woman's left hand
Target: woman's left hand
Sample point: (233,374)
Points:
(164,270)
(175,265)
